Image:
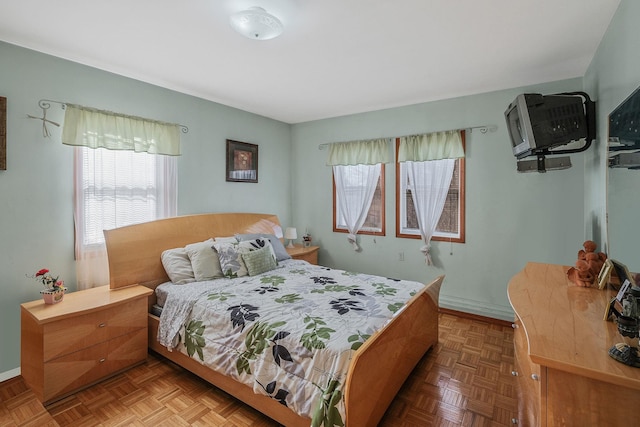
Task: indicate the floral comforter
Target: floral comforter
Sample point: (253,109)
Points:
(288,333)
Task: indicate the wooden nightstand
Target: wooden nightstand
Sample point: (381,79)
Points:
(309,254)
(90,335)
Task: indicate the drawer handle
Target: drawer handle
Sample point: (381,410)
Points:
(535,377)
(514,421)
(514,373)
(514,326)
(102,360)
(102,325)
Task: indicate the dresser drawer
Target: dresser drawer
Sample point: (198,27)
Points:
(529,380)
(74,333)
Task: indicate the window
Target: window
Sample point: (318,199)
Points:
(451,224)
(375,221)
(114,188)
(118,188)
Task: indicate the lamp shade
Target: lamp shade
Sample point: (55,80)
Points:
(255,23)
(291,233)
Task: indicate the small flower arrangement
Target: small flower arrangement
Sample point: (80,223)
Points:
(48,281)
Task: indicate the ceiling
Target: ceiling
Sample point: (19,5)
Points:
(335,57)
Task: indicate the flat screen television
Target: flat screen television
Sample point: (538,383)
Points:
(537,123)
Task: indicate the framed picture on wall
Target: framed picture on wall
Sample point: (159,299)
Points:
(242,161)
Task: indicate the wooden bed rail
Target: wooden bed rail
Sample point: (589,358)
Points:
(382,364)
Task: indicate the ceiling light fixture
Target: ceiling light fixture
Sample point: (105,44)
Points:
(255,23)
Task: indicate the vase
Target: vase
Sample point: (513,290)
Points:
(52,296)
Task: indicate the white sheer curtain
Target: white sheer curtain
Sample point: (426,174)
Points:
(355,188)
(125,172)
(430,181)
(356,171)
(429,160)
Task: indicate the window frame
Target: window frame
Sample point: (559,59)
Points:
(364,230)
(438,236)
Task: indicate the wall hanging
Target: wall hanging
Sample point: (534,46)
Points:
(242,161)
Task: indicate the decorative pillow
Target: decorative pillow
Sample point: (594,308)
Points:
(178,266)
(204,260)
(278,248)
(255,244)
(259,261)
(230,257)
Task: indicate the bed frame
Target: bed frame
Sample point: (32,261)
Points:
(134,259)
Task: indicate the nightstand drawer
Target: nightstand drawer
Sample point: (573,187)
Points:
(310,257)
(72,371)
(308,253)
(127,318)
(86,366)
(85,330)
(72,334)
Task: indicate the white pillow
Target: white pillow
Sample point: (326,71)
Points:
(204,260)
(178,266)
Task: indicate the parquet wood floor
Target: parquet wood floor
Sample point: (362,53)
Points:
(464,381)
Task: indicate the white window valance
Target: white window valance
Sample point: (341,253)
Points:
(431,146)
(369,152)
(93,128)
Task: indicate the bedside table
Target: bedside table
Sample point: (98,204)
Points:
(92,334)
(309,254)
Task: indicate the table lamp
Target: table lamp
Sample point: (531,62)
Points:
(291,234)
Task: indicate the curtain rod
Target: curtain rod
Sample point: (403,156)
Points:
(45,104)
(482,129)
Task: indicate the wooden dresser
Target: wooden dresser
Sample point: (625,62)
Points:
(309,253)
(89,336)
(564,374)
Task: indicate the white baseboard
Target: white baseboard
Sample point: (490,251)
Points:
(9,374)
(474,307)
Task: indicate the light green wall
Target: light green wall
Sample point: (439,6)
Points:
(612,76)
(36,218)
(512,218)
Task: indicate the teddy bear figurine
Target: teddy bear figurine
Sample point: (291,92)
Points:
(588,265)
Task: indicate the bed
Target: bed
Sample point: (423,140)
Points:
(391,352)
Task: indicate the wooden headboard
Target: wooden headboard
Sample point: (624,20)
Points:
(134,251)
